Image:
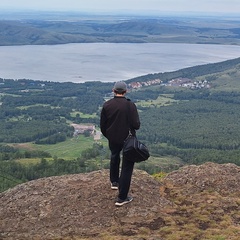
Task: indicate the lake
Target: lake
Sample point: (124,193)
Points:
(106,62)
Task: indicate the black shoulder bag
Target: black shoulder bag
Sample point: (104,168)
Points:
(133,149)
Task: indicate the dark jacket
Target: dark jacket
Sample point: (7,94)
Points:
(116,118)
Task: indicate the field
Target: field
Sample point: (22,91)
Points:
(68,150)
(162,100)
(73,147)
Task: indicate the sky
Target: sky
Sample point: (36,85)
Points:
(205,6)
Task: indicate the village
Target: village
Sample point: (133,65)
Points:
(88,129)
(176,82)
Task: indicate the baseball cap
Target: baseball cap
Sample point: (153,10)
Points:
(120,87)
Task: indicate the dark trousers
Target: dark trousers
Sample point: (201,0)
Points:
(123,178)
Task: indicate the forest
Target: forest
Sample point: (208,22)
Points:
(56,28)
(194,126)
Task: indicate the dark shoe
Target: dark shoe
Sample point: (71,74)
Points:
(114,186)
(120,202)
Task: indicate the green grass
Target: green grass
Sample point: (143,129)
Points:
(27,161)
(83,115)
(224,81)
(33,105)
(162,100)
(68,150)
(160,164)
(165,160)
(73,147)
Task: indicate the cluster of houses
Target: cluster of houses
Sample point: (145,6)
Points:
(176,82)
(82,128)
(188,83)
(136,85)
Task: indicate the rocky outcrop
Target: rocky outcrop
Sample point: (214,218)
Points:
(191,203)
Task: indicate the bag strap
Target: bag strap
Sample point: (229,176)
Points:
(128,114)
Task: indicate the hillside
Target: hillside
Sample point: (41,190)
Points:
(183,122)
(212,71)
(195,202)
(65,28)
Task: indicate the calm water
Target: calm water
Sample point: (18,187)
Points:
(106,62)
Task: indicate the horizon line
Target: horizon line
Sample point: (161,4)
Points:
(119,12)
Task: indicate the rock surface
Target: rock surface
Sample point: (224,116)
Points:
(81,206)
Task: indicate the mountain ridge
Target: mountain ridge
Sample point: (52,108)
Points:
(125,29)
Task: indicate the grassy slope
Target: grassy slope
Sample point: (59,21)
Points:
(228,80)
(69,149)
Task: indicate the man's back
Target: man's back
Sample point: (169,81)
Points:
(118,114)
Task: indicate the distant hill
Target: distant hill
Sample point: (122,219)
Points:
(195,202)
(195,72)
(130,29)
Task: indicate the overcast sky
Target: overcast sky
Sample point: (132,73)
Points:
(216,6)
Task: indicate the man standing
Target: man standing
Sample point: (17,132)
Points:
(118,116)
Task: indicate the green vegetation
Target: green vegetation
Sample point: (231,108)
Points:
(69,149)
(179,125)
(162,100)
(124,29)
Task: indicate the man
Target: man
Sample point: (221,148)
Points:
(118,116)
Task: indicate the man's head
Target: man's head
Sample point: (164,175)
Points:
(120,88)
